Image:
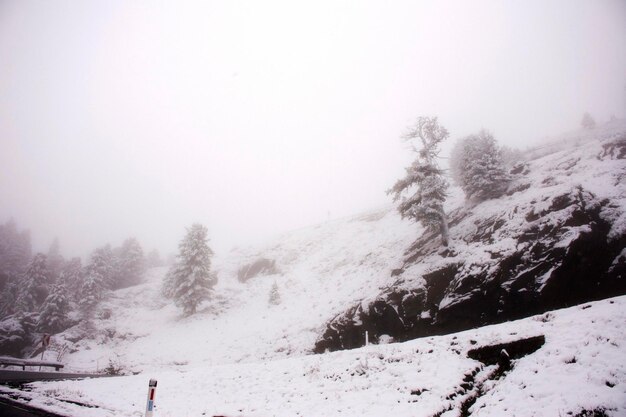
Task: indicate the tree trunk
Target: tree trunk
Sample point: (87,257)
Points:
(445,234)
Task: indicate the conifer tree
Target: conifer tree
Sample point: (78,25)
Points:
(131,264)
(53,317)
(478,167)
(15,251)
(55,260)
(98,275)
(103,264)
(587,121)
(71,277)
(35,284)
(8,298)
(422,191)
(189,281)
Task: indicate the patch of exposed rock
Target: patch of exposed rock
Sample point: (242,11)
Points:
(527,258)
(261,266)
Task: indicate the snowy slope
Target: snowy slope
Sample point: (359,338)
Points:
(582,366)
(324,269)
(321,270)
(240,355)
(557,238)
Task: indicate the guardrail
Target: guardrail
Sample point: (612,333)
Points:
(11,361)
(18,377)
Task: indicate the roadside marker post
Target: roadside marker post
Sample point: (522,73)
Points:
(367,338)
(151,391)
(45,342)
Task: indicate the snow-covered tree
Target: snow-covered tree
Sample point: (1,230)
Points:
(189,281)
(97,277)
(55,260)
(92,289)
(478,167)
(274,295)
(53,316)
(15,252)
(35,285)
(71,277)
(131,264)
(422,191)
(10,293)
(587,121)
(105,263)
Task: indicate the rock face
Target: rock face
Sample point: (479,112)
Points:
(261,266)
(557,239)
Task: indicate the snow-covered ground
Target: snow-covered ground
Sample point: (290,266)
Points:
(242,356)
(322,270)
(582,366)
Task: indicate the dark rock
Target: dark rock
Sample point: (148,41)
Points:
(518,188)
(493,354)
(561,258)
(615,149)
(596,412)
(520,169)
(261,266)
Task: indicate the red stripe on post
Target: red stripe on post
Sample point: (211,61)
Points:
(151,394)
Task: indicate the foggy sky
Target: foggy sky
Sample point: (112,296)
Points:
(139,118)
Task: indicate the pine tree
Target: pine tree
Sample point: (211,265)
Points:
(587,121)
(103,262)
(190,281)
(131,264)
(274,295)
(9,295)
(478,167)
(98,276)
(71,277)
(36,284)
(53,317)
(55,260)
(424,181)
(92,290)
(15,251)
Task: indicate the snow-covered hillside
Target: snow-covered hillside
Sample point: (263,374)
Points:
(557,237)
(580,368)
(320,271)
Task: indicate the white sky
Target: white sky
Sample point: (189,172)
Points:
(138,118)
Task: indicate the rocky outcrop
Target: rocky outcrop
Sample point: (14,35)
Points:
(493,354)
(543,253)
(261,266)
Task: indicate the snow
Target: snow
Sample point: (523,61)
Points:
(581,366)
(241,356)
(239,324)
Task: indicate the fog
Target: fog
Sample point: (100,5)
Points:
(122,119)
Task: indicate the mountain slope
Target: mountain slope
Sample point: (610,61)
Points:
(318,271)
(562,223)
(556,239)
(580,369)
